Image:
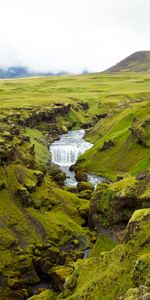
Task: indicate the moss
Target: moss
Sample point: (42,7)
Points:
(85,194)
(59,275)
(83,185)
(141,271)
(103,243)
(114,203)
(138,215)
(107,275)
(55,217)
(137,293)
(7,238)
(46,295)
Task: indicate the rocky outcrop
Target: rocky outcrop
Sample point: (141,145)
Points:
(138,293)
(83,186)
(59,274)
(80,175)
(107,145)
(112,205)
(45,115)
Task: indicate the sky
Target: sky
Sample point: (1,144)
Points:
(72,35)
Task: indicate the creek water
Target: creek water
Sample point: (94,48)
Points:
(66,151)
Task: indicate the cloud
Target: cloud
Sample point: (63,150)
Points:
(72,35)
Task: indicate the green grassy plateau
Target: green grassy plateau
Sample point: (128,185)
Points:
(44,226)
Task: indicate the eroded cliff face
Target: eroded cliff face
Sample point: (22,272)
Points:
(37,217)
(119,272)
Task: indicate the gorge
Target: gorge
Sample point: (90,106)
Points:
(48,224)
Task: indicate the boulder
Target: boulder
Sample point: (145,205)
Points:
(84,186)
(24,196)
(80,175)
(107,145)
(59,274)
(141,272)
(86,194)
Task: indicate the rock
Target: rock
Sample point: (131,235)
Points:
(84,105)
(87,125)
(24,196)
(141,293)
(146,296)
(32,150)
(72,168)
(112,205)
(120,177)
(141,175)
(83,185)
(107,145)
(59,274)
(85,194)
(24,138)
(46,295)
(60,177)
(141,272)
(138,132)
(39,176)
(55,172)
(80,175)
(2,185)
(101,116)
(15,130)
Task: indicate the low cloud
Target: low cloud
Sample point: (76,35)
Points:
(72,35)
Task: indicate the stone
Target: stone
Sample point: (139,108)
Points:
(83,185)
(80,175)
(59,274)
(107,145)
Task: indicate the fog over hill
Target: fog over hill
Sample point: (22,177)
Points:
(19,72)
(136,62)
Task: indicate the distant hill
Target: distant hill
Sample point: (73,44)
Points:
(18,72)
(137,62)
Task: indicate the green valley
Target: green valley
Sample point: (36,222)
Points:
(45,226)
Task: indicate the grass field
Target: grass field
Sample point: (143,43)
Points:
(107,89)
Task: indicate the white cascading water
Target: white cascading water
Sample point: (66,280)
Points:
(66,151)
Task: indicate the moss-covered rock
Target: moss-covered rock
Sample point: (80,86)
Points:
(108,275)
(141,272)
(46,295)
(59,274)
(113,204)
(80,175)
(84,186)
(85,194)
(137,294)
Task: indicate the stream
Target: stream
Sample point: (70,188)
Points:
(66,151)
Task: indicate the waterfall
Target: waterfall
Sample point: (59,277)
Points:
(66,151)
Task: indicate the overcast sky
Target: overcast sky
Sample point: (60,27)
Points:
(72,35)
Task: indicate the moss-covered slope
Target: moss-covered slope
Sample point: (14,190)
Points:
(37,217)
(44,228)
(109,275)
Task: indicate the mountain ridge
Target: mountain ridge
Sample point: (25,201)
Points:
(136,62)
(19,72)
